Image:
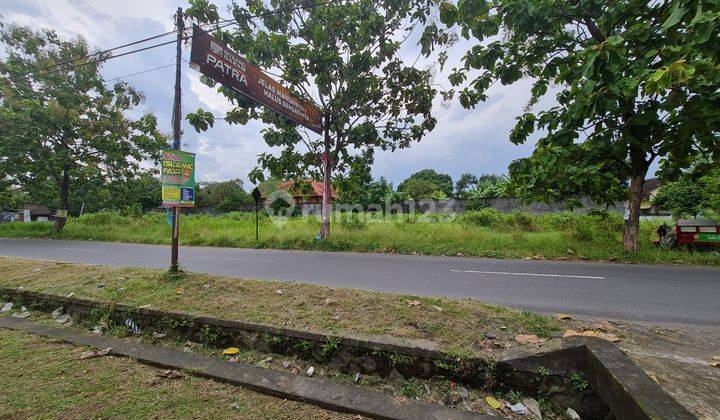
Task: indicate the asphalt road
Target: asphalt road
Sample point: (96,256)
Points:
(645,293)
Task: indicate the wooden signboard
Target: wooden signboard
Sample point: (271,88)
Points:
(217,61)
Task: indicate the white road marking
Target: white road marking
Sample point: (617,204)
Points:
(204,257)
(529,274)
(76,249)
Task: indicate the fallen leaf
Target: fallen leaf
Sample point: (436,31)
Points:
(179,291)
(604,326)
(564,317)
(652,376)
(529,339)
(95,353)
(413,303)
(171,374)
(230,351)
(589,333)
(714,361)
(492,402)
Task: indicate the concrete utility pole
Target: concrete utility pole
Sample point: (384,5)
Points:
(176,119)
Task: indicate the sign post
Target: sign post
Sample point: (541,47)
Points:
(256,195)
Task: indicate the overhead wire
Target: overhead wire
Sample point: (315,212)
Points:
(217,25)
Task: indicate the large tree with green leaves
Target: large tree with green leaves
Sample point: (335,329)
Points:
(60,121)
(343,56)
(442,182)
(633,81)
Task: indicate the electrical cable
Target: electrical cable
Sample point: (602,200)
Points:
(228,22)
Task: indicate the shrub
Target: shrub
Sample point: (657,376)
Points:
(352,221)
(484,217)
(103,218)
(522,220)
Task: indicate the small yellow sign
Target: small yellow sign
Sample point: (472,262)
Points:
(170,193)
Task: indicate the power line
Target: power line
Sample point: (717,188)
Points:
(140,72)
(228,22)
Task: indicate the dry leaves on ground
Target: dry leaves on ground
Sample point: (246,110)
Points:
(95,353)
(590,333)
(529,339)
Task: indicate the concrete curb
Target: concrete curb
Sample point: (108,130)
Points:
(336,397)
(621,385)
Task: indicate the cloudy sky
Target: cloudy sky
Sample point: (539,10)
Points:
(474,141)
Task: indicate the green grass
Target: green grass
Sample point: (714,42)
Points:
(44,378)
(481,234)
(458,327)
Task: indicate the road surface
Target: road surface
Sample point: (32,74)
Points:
(645,293)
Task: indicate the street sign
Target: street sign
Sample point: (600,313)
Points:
(178,178)
(217,61)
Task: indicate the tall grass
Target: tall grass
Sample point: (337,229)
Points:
(484,233)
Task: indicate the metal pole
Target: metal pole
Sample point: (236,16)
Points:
(257,230)
(176,135)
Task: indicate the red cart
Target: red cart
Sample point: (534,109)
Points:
(690,232)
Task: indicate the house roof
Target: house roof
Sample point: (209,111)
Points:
(649,187)
(38,209)
(315,190)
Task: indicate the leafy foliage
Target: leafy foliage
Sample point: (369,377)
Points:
(224,196)
(424,183)
(687,197)
(61,124)
(632,80)
(341,56)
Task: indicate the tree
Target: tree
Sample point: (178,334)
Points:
(419,189)
(633,81)
(466,181)
(689,197)
(441,182)
(60,121)
(343,56)
(224,196)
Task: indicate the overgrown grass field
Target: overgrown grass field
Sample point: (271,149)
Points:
(485,233)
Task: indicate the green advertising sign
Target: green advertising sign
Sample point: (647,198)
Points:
(178,178)
(708,237)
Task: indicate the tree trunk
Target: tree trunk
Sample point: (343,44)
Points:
(61,215)
(632,220)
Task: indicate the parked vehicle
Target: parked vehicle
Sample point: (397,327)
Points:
(689,232)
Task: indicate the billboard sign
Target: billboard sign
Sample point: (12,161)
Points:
(178,179)
(217,61)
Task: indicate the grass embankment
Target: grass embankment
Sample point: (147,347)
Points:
(43,378)
(485,233)
(457,325)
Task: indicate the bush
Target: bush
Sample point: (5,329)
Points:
(352,221)
(484,217)
(103,218)
(523,221)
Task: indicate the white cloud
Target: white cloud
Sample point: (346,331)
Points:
(464,140)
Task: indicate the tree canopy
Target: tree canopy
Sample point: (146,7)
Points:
(343,56)
(633,81)
(430,180)
(60,122)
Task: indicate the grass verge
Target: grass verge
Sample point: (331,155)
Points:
(483,234)
(45,379)
(457,325)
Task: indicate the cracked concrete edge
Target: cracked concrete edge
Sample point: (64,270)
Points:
(622,384)
(419,348)
(336,397)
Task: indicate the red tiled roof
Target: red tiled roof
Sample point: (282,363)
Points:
(316,189)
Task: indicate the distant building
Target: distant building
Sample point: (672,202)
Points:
(650,189)
(36,210)
(308,192)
